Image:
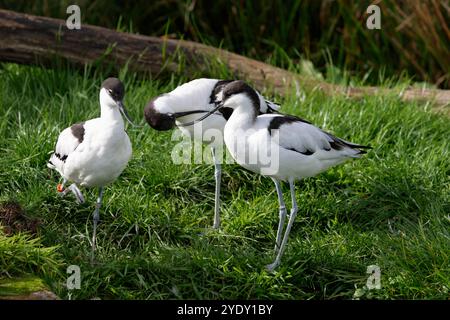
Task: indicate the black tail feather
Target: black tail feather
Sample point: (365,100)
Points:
(354,145)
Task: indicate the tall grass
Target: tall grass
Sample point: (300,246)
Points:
(21,254)
(414,36)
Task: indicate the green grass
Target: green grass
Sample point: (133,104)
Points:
(390,208)
(22,286)
(21,254)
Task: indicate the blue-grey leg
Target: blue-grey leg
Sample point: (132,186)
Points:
(98,204)
(282,214)
(294,210)
(74,189)
(217,176)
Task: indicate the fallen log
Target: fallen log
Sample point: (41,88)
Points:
(29,39)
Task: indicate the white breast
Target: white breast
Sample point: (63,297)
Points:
(102,156)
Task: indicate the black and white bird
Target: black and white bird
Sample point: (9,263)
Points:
(283,147)
(187,103)
(95,152)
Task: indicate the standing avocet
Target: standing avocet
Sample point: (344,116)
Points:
(283,147)
(186,103)
(94,153)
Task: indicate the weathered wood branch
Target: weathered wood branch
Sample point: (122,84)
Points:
(29,39)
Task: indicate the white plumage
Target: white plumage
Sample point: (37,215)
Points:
(191,101)
(96,161)
(94,153)
(283,147)
(302,149)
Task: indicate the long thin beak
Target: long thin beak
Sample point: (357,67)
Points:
(125,113)
(186,113)
(202,117)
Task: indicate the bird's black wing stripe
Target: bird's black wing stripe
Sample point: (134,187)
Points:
(226,112)
(335,143)
(217,88)
(78,131)
(354,145)
(338,144)
(277,122)
(269,108)
(61,157)
(305,153)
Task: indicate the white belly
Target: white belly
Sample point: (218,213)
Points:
(100,159)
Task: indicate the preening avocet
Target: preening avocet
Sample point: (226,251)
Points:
(283,147)
(95,152)
(187,103)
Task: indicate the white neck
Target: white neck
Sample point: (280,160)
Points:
(108,109)
(243,116)
(238,128)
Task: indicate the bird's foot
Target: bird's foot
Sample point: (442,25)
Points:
(271,267)
(209,230)
(72,188)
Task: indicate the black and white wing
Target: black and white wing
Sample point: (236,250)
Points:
(301,136)
(68,140)
(272,107)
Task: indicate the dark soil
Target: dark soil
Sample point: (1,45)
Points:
(14,220)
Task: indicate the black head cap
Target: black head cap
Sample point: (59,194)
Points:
(115,88)
(157,120)
(240,86)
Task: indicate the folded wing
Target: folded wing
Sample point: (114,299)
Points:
(68,140)
(300,136)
